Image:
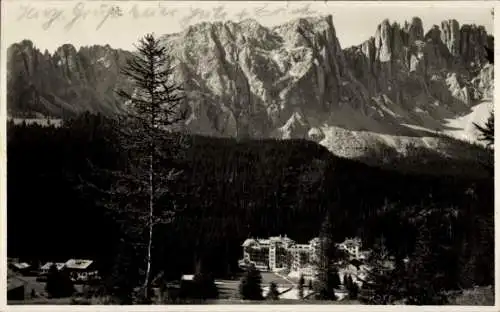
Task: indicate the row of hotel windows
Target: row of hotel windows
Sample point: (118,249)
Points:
(278,252)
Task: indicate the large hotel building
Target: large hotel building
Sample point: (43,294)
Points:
(280,253)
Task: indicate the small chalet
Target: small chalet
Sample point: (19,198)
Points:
(46,267)
(81,270)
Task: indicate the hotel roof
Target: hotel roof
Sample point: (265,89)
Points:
(273,239)
(252,241)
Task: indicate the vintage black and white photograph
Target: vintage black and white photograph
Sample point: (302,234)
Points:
(235,153)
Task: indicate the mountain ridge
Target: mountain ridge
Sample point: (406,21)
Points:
(288,81)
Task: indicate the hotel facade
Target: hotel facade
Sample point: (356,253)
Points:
(280,254)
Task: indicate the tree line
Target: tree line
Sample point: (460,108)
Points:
(234,190)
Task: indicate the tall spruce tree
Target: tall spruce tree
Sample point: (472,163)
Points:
(424,278)
(250,286)
(154,111)
(420,279)
(326,272)
(379,286)
(150,141)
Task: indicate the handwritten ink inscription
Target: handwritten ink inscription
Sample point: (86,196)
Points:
(50,16)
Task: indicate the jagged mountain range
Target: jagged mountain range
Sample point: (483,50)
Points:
(242,80)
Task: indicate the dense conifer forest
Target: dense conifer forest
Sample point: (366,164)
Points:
(231,189)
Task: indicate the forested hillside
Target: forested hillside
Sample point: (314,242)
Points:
(231,189)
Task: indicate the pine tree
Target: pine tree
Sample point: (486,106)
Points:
(423,277)
(418,281)
(487,132)
(300,287)
(139,196)
(379,286)
(327,274)
(250,285)
(273,293)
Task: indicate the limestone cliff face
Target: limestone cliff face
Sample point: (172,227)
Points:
(251,79)
(450,36)
(438,65)
(64,83)
(294,80)
(426,75)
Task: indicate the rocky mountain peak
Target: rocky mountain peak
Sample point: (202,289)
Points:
(450,36)
(415,30)
(433,35)
(293,80)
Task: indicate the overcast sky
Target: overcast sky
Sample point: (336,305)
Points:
(50,24)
